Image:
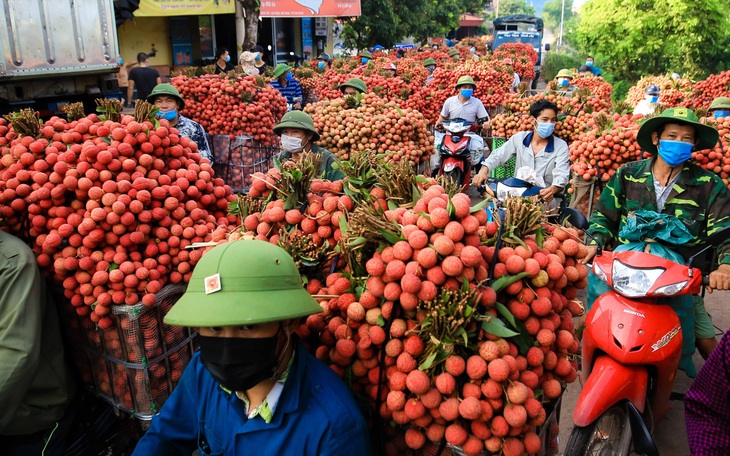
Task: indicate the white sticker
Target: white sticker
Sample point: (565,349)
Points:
(212,284)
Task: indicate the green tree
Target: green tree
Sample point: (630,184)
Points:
(507,7)
(552,10)
(649,37)
(385,22)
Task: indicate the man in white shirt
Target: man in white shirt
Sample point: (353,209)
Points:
(647,106)
(539,150)
(463,105)
(516,78)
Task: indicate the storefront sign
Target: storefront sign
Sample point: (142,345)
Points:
(307,35)
(158,8)
(309,8)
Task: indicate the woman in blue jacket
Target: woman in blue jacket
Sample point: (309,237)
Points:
(253,388)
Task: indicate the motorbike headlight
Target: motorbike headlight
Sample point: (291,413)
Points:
(671,290)
(634,282)
(599,273)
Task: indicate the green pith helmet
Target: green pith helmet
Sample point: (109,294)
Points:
(297,119)
(243,283)
(720,103)
(706,135)
(281,69)
(366,54)
(464,80)
(453,52)
(166,89)
(356,83)
(565,73)
(429,62)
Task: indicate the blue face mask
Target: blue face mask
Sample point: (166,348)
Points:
(431,69)
(675,152)
(364,60)
(720,113)
(121,61)
(589,64)
(562,82)
(467,93)
(228,58)
(320,64)
(652,98)
(545,129)
(167,115)
(289,77)
(258,57)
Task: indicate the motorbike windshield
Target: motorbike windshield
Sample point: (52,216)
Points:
(458,125)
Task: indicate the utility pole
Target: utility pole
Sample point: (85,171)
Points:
(560,35)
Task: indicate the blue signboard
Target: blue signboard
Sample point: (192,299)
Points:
(307,44)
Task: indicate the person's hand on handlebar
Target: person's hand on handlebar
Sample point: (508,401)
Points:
(547,194)
(481,177)
(592,249)
(720,278)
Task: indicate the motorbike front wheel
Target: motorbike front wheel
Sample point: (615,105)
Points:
(456,175)
(610,434)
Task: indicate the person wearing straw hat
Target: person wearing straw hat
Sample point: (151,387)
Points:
(253,388)
(720,108)
(167,98)
(298,135)
(288,86)
(248,63)
(563,82)
(668,183)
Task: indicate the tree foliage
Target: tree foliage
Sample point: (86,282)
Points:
(507,7)
(643,37)
(385,22)
(551,12)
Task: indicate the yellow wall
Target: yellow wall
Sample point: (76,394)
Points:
(138,36)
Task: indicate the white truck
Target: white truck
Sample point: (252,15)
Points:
(56,52)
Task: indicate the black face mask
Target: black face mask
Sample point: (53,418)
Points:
(239,364)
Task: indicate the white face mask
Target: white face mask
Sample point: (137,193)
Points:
(291,143)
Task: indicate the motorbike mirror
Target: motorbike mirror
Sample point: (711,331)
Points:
(712,241)
(578,220)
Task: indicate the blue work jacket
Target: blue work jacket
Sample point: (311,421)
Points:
(316,415)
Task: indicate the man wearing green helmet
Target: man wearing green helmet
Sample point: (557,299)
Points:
(288,86)
(170,103)
(720,108)
(667,183)
(564,82)
(253,389)
(465,106)
(353,86)
(298,135)
(430,65)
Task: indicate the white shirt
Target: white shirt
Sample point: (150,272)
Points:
(516,81)
(645,108)
(552,163)
(470,111)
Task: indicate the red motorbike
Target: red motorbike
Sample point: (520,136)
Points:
(456,158)
(631,350)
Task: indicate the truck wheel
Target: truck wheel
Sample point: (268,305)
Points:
(603,436)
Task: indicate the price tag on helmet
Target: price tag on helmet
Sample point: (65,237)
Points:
(212,284)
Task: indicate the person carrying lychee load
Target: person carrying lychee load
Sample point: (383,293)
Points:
(668,184)
(353,87)
(298,135)
(539,150)
(167,98)
(253,388)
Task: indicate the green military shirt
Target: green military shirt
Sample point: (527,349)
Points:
(329,173)
(699,199)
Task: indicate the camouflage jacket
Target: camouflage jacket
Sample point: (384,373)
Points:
(699,199)
(328,158)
